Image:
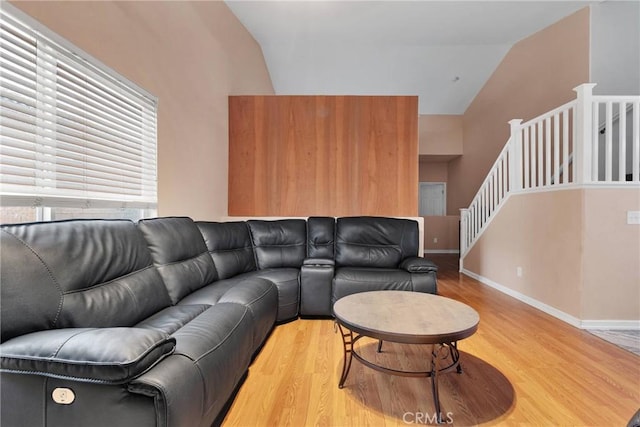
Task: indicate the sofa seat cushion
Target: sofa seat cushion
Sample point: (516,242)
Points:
(288,285)
(248,290)
(173,318)
(260,296)
(211,293)
(101,355)
(285,280)
(351,280)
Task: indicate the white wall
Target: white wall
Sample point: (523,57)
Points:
(615,47)
(577,254)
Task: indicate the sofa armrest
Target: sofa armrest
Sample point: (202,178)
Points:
(319,262)
(316,277)
(102,355)
(418,265)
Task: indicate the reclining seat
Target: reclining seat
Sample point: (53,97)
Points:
(234,319)
(374,253)
(281,247)
(181,256)
(72,293)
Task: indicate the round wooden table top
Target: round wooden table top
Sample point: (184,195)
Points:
(406,317)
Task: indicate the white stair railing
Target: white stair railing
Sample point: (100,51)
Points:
(488,200)
(616,139)
(547,145)
(567,146)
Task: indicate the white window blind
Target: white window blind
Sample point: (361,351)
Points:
(71,132)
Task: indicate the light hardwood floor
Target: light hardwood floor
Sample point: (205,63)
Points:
(521,368)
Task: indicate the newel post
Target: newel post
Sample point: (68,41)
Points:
(515,155)
(583,144)
(464,233)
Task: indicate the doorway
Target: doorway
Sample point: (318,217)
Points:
(432,198)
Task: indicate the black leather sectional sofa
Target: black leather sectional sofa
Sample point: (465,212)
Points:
(112,323)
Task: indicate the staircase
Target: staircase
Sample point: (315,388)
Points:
(589,141)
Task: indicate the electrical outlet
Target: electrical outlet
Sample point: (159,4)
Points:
(633,217)
(435,240)
(519,271)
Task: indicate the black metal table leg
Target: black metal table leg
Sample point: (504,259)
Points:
(455,356)
(434,381)
(347,341)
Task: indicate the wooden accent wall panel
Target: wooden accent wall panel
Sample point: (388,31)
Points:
(323,155)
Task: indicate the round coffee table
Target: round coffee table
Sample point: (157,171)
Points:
(409,318)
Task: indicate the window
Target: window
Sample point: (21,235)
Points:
(76,139)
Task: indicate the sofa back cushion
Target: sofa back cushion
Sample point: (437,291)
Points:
(230,247)
(320,237)
(375,241)
(281,243)
(76,274)
(179,253)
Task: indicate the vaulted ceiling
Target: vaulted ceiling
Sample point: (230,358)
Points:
(442,51)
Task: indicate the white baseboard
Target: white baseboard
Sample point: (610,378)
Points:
(631,325)
(627,325)
(559,314)
(441,251)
